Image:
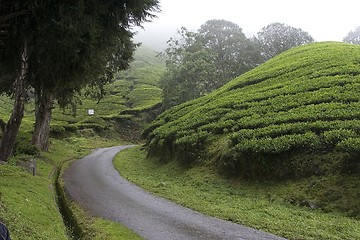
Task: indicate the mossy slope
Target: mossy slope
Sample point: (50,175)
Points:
(296,115)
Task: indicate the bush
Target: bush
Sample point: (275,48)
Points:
(23,144)
(57,130)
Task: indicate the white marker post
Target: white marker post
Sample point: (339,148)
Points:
(91,112)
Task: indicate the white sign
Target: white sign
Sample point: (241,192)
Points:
(91,112)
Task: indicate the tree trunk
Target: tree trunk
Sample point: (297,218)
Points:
(43,110)
(11,128)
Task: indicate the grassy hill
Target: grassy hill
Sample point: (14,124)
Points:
(296,116)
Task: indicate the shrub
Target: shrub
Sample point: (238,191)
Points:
(23,144)
(57,130)
(350,145)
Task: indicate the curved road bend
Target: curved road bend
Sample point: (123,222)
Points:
(98,188)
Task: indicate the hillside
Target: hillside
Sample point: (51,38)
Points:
(130,102)
(297,115)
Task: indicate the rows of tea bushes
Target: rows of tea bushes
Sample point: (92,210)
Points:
(304,101)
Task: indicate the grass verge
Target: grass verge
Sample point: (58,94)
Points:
(28,204)
(264,206)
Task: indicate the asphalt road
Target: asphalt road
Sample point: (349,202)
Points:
(98,188)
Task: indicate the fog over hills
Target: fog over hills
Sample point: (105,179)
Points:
(323,20)
(156,36)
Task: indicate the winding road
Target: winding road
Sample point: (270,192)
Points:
(94,183)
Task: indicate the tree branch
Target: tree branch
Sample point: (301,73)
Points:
(4,18)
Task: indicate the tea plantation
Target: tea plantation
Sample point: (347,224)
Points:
(129,103)
(295,116)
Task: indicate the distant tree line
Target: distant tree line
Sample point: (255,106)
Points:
(199,62)
(353,37)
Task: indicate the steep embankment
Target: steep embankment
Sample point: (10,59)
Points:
(296,115)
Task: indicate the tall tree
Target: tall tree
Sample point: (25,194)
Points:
(192,78)
(276,38)
(15,20)
(67,45)
(11,128)
(353,37)
(80,43)
(199,62)
(235,53)
(190,69)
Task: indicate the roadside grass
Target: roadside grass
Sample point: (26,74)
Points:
(264,206)
(95,228)
(28,204)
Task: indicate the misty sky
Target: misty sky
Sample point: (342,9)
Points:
(324,20)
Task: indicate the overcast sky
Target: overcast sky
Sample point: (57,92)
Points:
(324,20)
